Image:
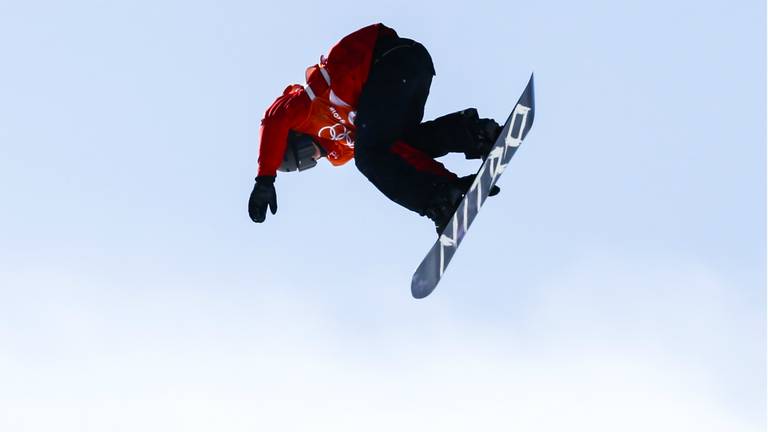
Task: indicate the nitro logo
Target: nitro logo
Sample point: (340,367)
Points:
(516,129)
(494,165)
(432,267)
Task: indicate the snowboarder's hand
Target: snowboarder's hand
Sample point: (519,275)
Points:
(263,195)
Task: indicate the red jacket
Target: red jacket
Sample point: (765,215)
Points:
(325,108)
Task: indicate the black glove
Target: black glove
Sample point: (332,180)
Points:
(263,194)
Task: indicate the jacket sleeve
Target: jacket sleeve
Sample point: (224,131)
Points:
(288,110)
(272,144)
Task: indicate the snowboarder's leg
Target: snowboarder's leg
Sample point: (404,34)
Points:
(460,132)
(392,102)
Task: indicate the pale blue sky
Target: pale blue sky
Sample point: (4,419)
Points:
(618,281)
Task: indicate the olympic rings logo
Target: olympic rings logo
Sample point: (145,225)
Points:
(337,132)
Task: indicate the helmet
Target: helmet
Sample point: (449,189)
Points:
(301,153)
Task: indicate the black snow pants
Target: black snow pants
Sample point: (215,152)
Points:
(389,112)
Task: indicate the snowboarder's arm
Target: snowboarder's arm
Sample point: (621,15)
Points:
(272,146)
(288,111)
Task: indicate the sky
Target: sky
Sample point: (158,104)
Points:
(617,282)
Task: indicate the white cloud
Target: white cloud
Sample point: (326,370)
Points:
(615,349)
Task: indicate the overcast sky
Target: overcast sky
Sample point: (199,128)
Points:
(616,283)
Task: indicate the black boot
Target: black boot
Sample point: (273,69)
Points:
(446,199)
(441,207)
(484,132)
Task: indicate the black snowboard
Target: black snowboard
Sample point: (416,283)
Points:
(431,269)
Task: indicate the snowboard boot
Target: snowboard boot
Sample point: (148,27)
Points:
(446,199)
(484,132)
(443,204)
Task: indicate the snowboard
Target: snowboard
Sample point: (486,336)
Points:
(433,266)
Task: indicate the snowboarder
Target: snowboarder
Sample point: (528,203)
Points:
(365,100)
